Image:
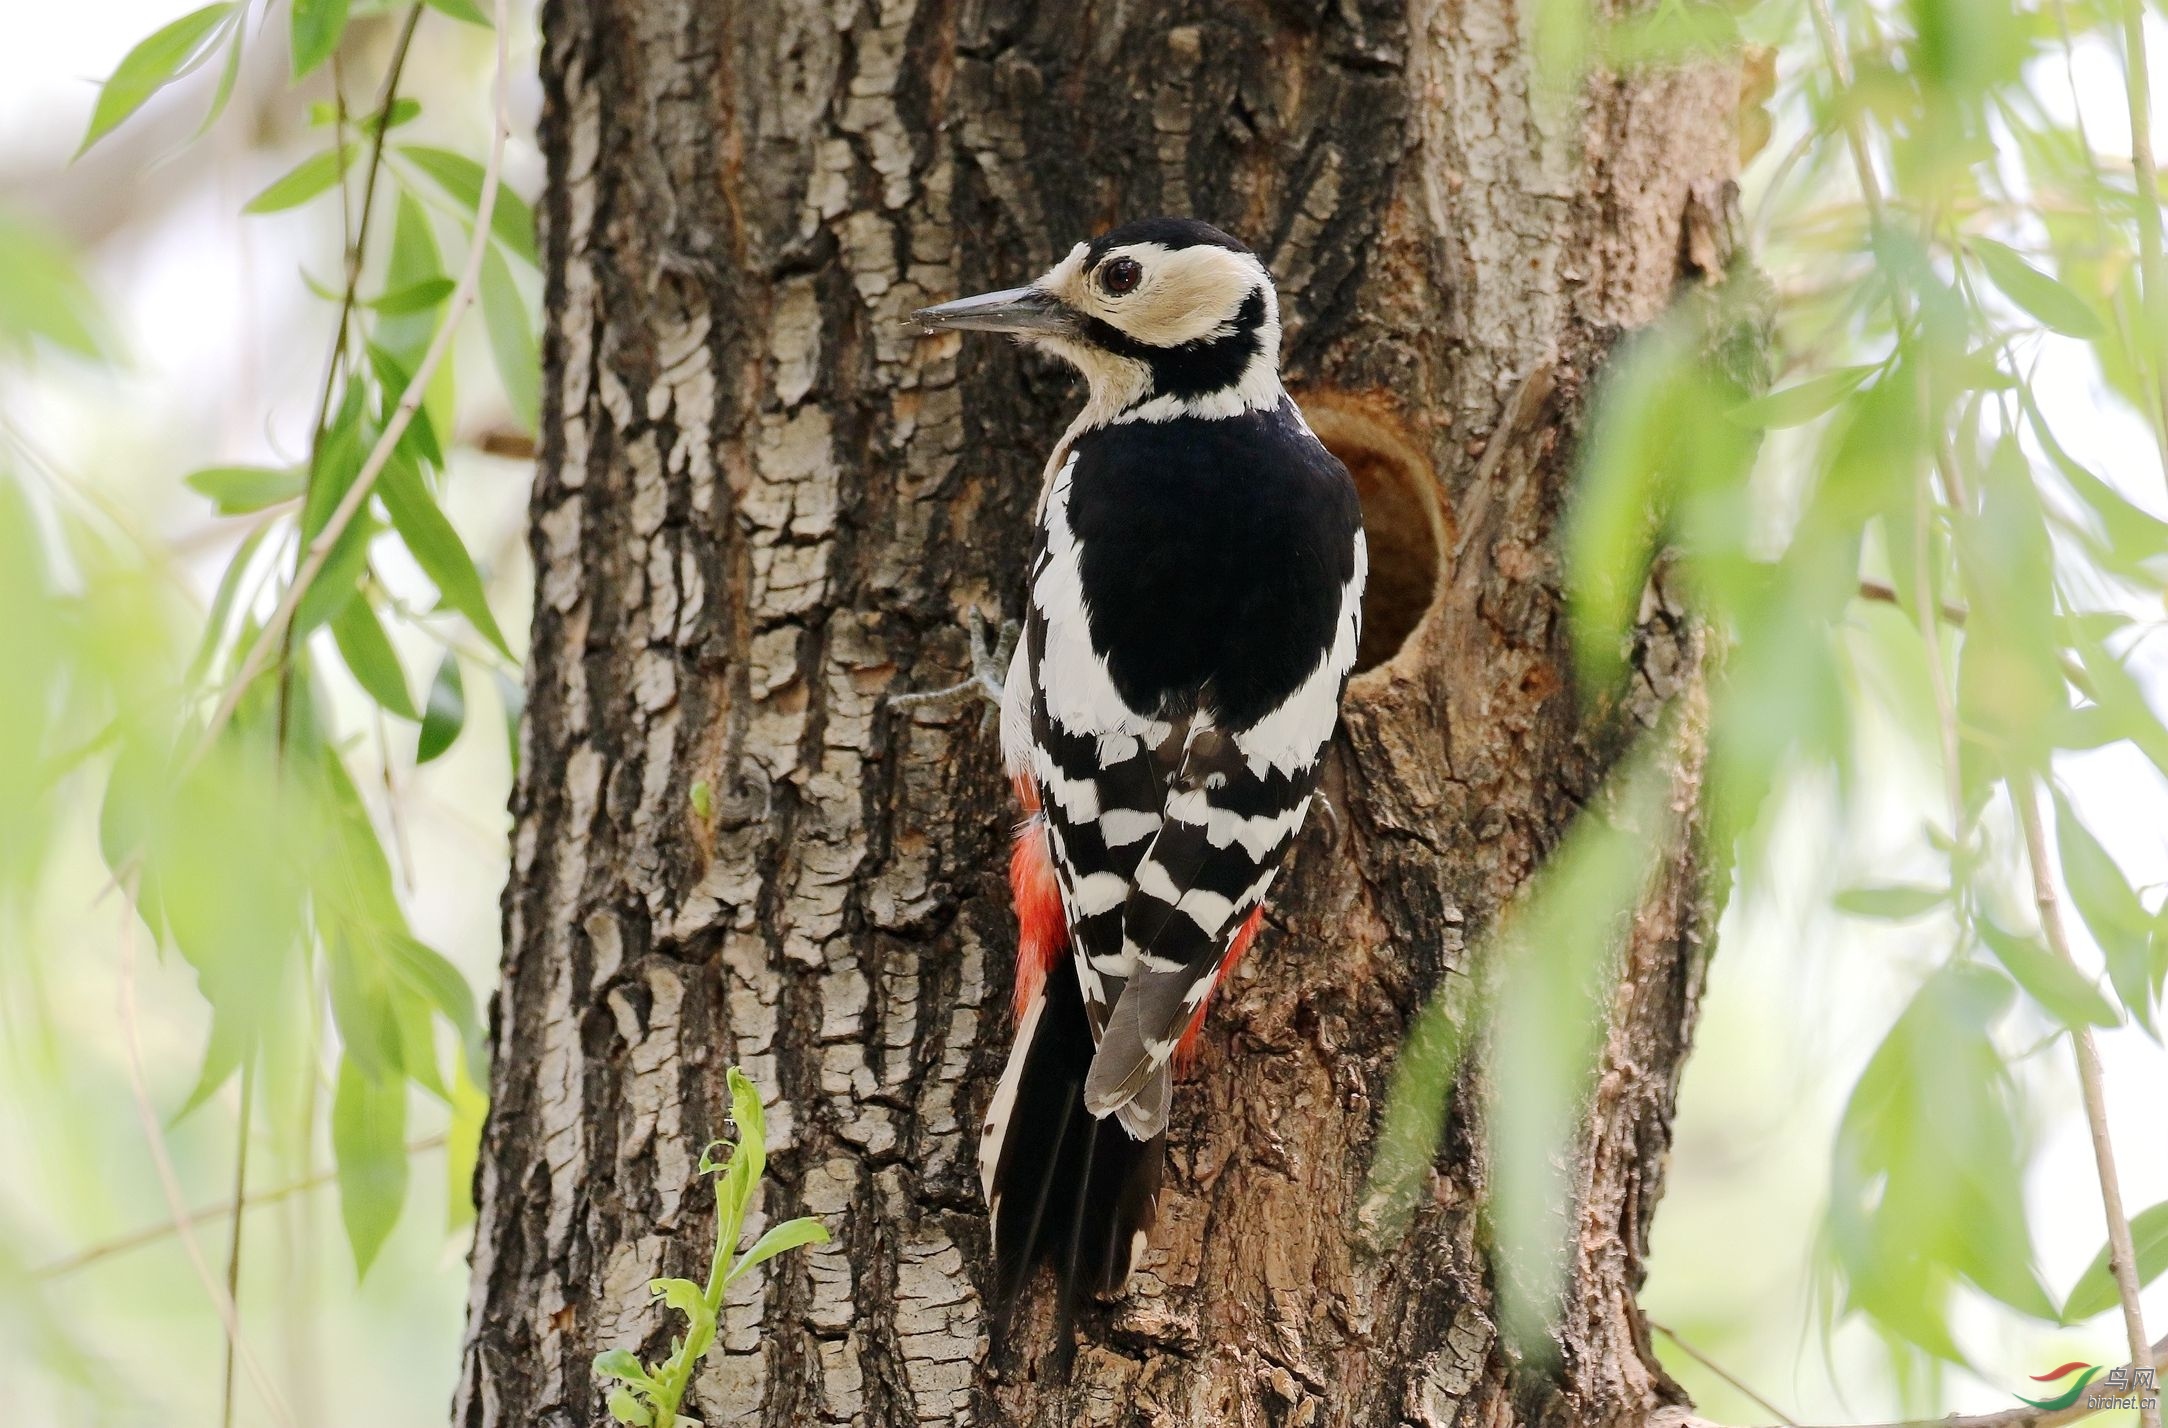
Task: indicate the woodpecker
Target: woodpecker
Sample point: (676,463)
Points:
(1194,600)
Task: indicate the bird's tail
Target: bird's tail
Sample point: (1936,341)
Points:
(1064,1187)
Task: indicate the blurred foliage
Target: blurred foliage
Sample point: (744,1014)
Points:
(1893,542)
(1899,538)
(232,817)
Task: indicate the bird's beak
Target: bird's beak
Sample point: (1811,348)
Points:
(1027,311)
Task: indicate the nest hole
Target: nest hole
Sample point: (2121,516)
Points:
(1402,519)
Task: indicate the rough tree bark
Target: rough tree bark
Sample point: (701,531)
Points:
(762,508)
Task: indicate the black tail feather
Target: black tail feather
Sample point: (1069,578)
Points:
(1067,1188)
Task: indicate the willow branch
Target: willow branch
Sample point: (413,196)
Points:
(233,1245)
(357,249)
(1718,1369)
(2025,1417)
(168,1179)
(2122,1253)
(1870,188)
(2137,84)
(319,550)
(203,1215)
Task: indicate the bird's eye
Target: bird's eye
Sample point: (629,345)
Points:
(1121,276)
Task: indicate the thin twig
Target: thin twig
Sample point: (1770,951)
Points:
(319,550)
(1923,576)
(1718,1369)
(2137,84)
(1870,187)
(168,1179)
(203,1215)
(2122,1254)
(2123,335)
(2027,1417)
(1840,66)
(357,249)
(233,1244)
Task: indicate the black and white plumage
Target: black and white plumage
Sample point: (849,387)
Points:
(1193,606)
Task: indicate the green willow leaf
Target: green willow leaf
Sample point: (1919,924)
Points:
(511,339)
(465,10)
(238,490)
(2095,1292)
(304,181)
(370,657)
(222,601)
(414,262)
(427,972)
(403,110)
(338,580)
(2047,299)
(43,297)
(419,441)
(317,26)
(512,695)
(2061,989)
(334,465)
(437,548)
(1803,401)
(2120,701)
(1895,903)
(368,1140)
(511,220)
(463,1145)
(419,297)
(446,713)
(168,54)
(227,76)
(1926,1184)
(2112,911)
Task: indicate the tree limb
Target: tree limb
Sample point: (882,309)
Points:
(2122,1254)
(2022,1417)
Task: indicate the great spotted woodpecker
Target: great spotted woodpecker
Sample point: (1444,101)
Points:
(1195,595)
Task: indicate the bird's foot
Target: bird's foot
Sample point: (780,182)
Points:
(989,667)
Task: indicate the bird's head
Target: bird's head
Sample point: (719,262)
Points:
(1164,317)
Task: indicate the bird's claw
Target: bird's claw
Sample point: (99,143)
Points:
(989,668)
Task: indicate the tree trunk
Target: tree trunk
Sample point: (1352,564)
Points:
(762,508)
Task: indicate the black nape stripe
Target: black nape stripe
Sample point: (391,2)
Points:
(1196,368)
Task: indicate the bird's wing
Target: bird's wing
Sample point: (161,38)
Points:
(1100,767)
(1101,814)
(1226,826)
